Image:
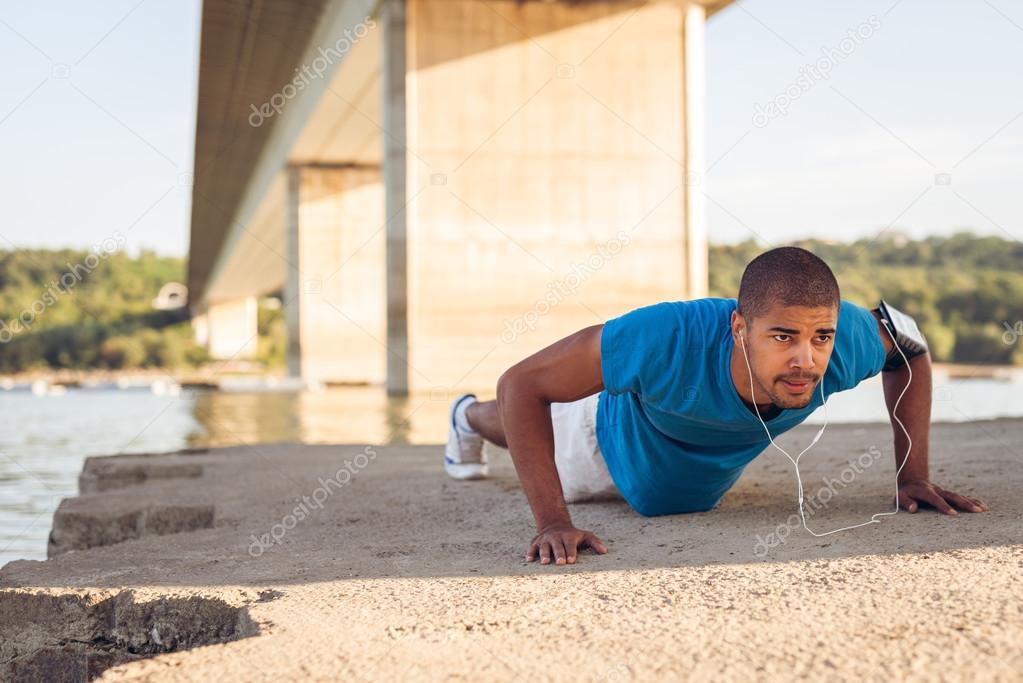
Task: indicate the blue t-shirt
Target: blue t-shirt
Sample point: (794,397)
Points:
(672,428)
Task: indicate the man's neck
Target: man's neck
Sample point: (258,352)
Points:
(766,413)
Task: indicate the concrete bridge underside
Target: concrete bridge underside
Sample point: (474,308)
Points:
(441,187)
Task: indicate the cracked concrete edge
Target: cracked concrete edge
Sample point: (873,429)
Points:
(46,632)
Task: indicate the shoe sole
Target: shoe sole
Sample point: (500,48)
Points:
(464,471)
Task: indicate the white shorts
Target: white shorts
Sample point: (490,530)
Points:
(581,467)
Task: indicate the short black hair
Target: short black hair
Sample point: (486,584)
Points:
(791,276)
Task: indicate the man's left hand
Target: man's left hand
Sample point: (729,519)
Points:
(912,494)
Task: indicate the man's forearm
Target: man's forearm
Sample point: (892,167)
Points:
(530,435)
(915,413)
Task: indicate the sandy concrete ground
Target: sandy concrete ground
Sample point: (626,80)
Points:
(406,575)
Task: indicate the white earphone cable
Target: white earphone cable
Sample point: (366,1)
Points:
(795,461)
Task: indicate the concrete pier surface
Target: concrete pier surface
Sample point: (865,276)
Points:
(321,563)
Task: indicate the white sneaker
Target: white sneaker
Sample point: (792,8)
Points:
(463,457)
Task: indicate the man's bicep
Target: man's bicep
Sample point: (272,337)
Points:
(567,370)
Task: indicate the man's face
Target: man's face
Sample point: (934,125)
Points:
(789,349)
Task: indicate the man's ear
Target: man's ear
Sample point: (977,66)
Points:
(738,325)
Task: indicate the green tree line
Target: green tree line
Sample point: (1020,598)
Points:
(69,309)
(82,310)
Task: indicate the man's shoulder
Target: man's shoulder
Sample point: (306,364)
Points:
(859,349)
(706,315)
(855,319)
(847,305)
(670,324)
(704,309)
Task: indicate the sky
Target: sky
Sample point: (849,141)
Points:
(97,122)
(919,127)
(916,126)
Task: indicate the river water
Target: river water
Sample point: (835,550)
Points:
(44,439)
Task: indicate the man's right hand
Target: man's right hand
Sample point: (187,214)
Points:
(560,541)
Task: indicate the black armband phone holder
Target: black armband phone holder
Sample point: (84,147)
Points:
(907,335)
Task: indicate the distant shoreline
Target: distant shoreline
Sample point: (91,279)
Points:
(965,371)
(206,376)
(209,376)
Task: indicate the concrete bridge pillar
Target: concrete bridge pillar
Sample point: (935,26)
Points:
(542,173)
(228,328)
(334,292)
